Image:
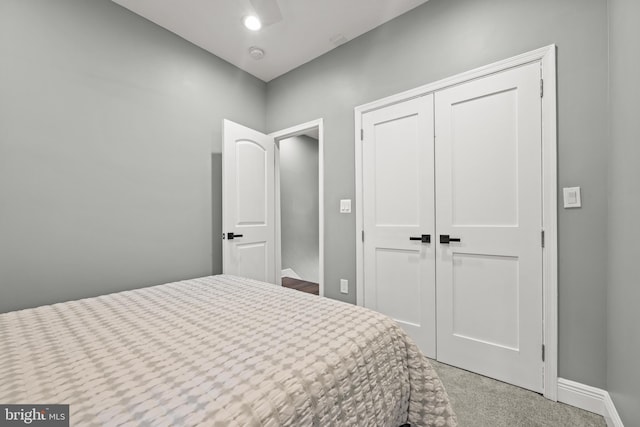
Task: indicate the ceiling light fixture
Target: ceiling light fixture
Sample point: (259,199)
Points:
(252,22)
(256,53)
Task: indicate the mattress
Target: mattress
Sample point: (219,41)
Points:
(219,351)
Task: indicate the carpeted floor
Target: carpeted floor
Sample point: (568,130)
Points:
(483,402)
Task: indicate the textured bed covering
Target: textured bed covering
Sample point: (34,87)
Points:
(221,351)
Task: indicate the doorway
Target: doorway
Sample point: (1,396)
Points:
(299,207)
(299,200)
(251,207)
(248,203)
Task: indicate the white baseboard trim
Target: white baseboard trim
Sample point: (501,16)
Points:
(611,415)
(288,272)
(581,396)
(590,399)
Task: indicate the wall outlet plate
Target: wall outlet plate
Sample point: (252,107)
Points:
(344,286)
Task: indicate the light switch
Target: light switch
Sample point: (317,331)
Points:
(572,197)
(345,206)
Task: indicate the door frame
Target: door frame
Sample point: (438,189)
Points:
(546,56)
(277,137)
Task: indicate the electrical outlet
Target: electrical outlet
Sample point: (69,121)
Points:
(344,286)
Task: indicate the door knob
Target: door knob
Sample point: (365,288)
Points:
(425,238)
(232,236)
(445,239)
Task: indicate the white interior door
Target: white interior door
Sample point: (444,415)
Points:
(489,195)
(397,159)
(248,194)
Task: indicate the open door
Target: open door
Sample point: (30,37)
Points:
(248,203)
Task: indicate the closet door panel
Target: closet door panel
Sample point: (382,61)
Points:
(398,200)
(489,196)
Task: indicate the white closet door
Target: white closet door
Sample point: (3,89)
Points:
(248,193)
(489,195)
(398,188)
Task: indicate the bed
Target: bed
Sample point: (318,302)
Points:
(219,351)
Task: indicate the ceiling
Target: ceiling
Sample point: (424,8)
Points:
(308,29)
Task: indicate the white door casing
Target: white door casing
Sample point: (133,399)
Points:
(398,186)
(489,195)
(248,194)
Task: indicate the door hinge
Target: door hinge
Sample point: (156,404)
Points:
(541,88)
(363,235)
(361,134)
(543,352)
(542,237)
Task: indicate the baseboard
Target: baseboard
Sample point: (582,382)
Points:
(611,415)
(590,399)
(288,272)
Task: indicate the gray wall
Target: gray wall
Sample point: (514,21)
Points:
(107,125)
(623,338)
(216,212)
(442,38)
(299,205)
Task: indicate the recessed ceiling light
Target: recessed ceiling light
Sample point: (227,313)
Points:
(252,22)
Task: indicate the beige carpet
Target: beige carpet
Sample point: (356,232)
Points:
(483,402)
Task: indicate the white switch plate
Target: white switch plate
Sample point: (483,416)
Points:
(571,197)
(344,286)
(345,206)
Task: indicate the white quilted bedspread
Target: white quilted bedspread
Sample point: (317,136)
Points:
(220,351)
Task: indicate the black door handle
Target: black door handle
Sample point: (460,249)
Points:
(425,238)
(232,236)
(445,239)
